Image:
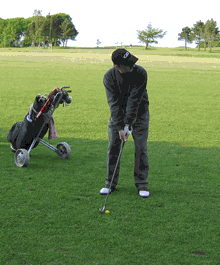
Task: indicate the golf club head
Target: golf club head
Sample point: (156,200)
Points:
(102,210)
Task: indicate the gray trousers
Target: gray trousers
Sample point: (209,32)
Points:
(141,165)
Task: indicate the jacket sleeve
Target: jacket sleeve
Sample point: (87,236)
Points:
(135,98)
(112,94)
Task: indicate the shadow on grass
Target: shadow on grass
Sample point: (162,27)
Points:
(59,199)
(169,162)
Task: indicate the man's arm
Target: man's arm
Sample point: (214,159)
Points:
(134,100)
(112,94)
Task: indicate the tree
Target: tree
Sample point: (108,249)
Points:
(9,32)
(16,30)
(211,33)
(57,21)
(37,29)
(73,33)
(47,30)
(186,35)
(6,36)
(216,42)
(31,32)
(150,35)
(2,26)
(19,23)
(40,30)
(67,31)
(37,24)
(65,16)
(198,30)
(26,38)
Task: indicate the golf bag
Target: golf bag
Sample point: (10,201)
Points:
(27,134)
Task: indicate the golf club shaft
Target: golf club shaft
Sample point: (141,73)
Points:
(114,173)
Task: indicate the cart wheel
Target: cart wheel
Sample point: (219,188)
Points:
(64,149)
(22,158)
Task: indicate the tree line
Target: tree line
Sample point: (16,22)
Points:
(57,29)
(54,29)
(204,34)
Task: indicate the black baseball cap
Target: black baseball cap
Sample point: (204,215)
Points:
(124,57)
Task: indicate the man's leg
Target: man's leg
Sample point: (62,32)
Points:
(140,135)
(112,156)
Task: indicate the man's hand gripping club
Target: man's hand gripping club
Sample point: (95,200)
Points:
(124,134)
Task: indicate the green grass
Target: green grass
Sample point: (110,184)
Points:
(50,210)
(178,51)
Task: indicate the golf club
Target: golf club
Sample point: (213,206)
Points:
(103,209)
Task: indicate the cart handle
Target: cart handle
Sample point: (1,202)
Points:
(68,91)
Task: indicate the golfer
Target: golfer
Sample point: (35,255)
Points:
(125,84)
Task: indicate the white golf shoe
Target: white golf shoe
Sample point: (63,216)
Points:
(105,189)
(144,192)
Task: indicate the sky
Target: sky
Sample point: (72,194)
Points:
(118,21)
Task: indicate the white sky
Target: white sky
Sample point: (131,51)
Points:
(114,20)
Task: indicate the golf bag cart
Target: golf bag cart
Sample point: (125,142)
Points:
(26,135)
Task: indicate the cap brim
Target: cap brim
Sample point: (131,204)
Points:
(132,60)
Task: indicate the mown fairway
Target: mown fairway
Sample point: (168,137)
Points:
(50,210)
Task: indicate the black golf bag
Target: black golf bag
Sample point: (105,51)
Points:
(27,134)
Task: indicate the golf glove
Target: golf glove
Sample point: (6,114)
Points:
(124,134)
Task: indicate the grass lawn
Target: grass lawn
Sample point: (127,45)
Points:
(50,210)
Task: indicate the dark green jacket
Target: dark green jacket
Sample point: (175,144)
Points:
(127,96)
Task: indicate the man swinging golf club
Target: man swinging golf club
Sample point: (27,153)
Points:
(125,86)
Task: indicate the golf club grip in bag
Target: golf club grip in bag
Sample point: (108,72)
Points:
(43,108)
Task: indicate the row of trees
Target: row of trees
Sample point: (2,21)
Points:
(58,28)
(204,34)
(37,30)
